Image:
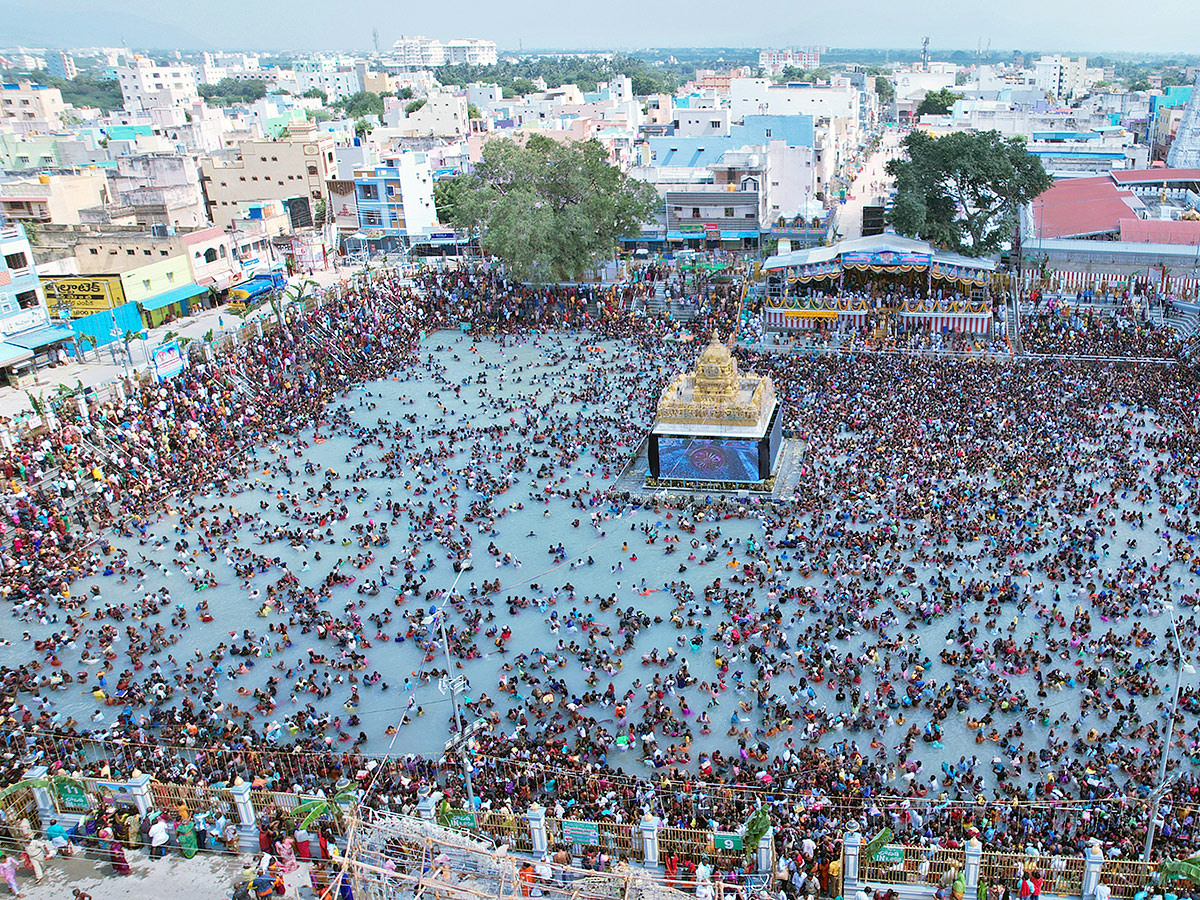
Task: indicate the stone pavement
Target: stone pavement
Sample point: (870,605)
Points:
(204,877)
(111,366)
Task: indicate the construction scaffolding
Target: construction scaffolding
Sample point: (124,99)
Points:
(391,856)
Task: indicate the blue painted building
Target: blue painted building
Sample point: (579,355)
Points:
(395,200)
(27,334)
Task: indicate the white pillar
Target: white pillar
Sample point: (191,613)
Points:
(536,817)
(851,846)
(1093,864)
(649,828)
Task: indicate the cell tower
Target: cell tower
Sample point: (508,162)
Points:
(375,39)
(925,53)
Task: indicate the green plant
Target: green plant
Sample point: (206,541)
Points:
(309,812)
(36,404)
(757,826)
(53,781)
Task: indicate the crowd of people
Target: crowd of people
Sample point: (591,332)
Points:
(1035,514)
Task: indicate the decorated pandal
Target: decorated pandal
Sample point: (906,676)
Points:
(876,281)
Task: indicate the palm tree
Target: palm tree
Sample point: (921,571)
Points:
(93,342)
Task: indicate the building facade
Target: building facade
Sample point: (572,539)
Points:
(266,170)
(395,199)
(1062,76)
(146,85)
(25,106)
(61,64)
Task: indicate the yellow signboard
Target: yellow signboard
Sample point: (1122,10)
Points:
(84,295)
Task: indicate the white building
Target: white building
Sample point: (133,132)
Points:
(420,52)
(1061,76)
(337,83)
(774,62)
(146,86)
(471,51)
(61,64)
(762,97)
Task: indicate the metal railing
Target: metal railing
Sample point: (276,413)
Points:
(911,864)
(1126,877)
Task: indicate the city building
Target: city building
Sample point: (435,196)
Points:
(422,53)
(61,64)
(773,62)
(1185,149)
(146,85)
(28,338)
(336,84)
(283,169)
(26,107)
(1062,77)
(53,198)
(208,251)
(395,199)
(440,115)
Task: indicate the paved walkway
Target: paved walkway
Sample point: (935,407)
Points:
(849,216)
(110,366)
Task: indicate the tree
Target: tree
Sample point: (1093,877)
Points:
(228,91)
(316,92)
(364,103)
(448,194)
(320,208)
(473,111)
(1140,85)
(413,105)
(938,103)
(551,210)
(884,90)
(523,86)
(962,191)
(363,127)
(406,93)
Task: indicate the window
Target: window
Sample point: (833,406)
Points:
(171,277)
(16,260)
(312,170)
(146,283)
(130,252)
(768,132)
(210,255)
(222,251)
(162,252)
(714,123)
(93,251)
(145,252)
(695,212)
(27,299)
(729,212)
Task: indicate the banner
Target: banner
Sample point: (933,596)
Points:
(168,360)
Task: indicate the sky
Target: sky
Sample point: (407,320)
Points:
(1169,26)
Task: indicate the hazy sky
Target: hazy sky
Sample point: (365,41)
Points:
(1166,26)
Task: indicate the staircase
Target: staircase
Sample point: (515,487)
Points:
(1184,321)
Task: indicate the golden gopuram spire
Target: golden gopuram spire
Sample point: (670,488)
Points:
(715,393)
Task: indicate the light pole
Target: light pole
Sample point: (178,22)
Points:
(452,683)
(1165,754)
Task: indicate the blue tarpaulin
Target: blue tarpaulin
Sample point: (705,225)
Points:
(175,295)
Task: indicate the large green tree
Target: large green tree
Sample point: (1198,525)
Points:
(550,210)
(962,191)
(937,103)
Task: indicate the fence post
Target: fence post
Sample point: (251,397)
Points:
(41,796)
(139,787)
(245,809)
(1093,863)
(649,829)
(972,858)
(764,851)
(427,806)
(536,817)
(851,846)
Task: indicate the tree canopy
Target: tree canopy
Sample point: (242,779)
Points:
(364,103)
(938,103)
(962,191)
(549,210)
(228,91)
